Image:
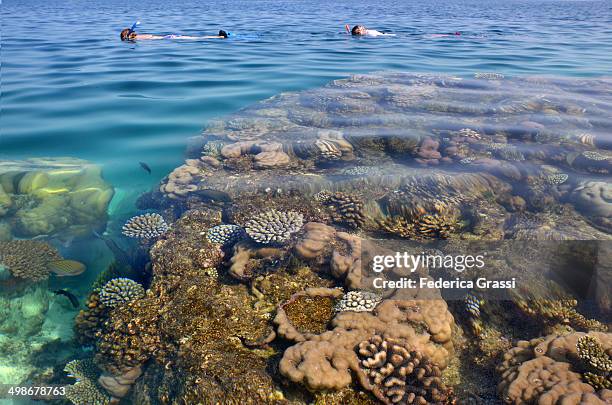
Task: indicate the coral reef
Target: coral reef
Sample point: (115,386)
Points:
(90,320)
(358,301)
(128,337)
(260,290)
(59,197)
(597,361)
(28,259)
(422,226)
(315,240)
(324,362)
(306,314)
(398,374)
(273,226)
(85,390)
(594,199)
(346,209)
(561,310)
(120,291)
(225,234)
(544,370)
(145,226)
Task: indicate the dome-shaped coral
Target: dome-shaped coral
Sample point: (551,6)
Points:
(145,226)
(274,226)
(224,234)
(548,370)
(119,291)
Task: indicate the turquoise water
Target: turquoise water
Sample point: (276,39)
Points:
(70,87)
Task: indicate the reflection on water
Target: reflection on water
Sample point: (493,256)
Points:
(245,275)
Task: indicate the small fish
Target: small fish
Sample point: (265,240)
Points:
(145,167)
(213,195)
(73,299)
(472,304)
(63,268)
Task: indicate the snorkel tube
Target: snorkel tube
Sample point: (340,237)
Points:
(133,28)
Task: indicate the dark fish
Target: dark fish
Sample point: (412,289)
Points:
(213,195)
(73,300)
(145,167)
(120,255)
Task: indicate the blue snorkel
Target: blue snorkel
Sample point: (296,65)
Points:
(133,28)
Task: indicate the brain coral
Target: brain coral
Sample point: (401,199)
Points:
(28,259)
(547,371)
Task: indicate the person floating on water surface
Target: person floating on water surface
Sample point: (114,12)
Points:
(130,34)
(362,30)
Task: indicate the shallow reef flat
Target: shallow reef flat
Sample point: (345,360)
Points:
(258,286)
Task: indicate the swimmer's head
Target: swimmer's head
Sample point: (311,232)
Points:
(359,30)
(223,34)
(127,34)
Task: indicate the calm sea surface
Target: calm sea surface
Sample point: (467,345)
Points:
(70,87)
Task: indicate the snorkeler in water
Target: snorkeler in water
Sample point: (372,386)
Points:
(362,30)
(130,34)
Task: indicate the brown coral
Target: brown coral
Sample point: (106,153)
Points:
(315,240)
(346,209)
(90,320)
(399,374)
(28,259)
(248,259)
(324,361)
(130,336)
(293,316)
(422,226)
(544,371)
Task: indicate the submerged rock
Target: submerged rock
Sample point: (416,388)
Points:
(53,197)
